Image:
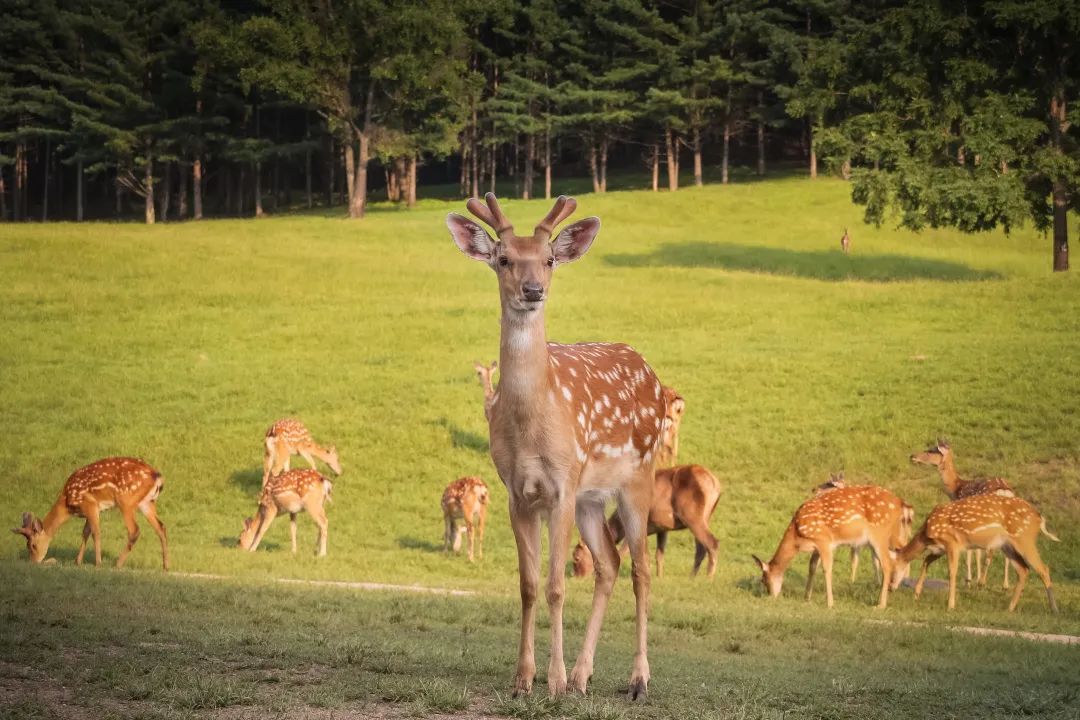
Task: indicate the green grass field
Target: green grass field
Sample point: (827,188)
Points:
(181,343)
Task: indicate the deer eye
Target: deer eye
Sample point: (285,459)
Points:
(504,261)
(551,261)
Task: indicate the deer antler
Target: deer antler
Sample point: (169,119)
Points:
(563,208)
(492,215)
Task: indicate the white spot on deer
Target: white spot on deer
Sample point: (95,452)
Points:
(581,419)
(566,392)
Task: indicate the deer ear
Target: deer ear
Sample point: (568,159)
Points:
(764,566)
(575,240)
(35,525)
(247,522)
(494,364)
(472,239)
(20,531)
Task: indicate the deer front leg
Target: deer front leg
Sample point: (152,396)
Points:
(815,558)
(267,513)
(82,546)
(318,514)
(826,563)
(560,524)
(598,539)
(91,513)
(128,514)
(526,527)
(927,562)
(307,456)
(634,504)
(292,531)
(149,511)
(954,568)
(854,562)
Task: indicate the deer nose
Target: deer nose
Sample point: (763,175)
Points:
(533,292)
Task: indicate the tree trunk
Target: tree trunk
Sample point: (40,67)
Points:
(350,172)
(410,197)
(761,134)
(148,180)
(463,179)
(241,184)
(474,156)
(725,161)
(257,189)
(164,193)
(845,169)
(547,165)
(78,193)
(181,194)
(530,161)
(3,197)
(331,164)
(119,194)
(494,165)
(308,200)
(603,164)
(1060,192)
(197,187)
(358,196)
(813,153)
(672,161)
(655,167)
(45,189)
(515,166)
(594,168)
(698,178)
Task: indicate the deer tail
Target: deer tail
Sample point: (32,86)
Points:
(328,488)
(1047,533)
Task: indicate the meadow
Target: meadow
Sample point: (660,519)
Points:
(181,343)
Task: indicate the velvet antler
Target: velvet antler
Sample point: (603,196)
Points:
(492,214)
(564,207)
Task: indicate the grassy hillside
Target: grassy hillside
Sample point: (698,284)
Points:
(182,343)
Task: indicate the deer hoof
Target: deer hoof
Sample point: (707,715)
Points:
(522,686)
(579,681)
(639,689)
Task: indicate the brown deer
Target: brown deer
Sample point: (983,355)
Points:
(684,497)
(127,484)
(981,521)
(669,448)
(484,372)
(856,515)
(571,427)
(941,456)
(293,491)
(465,499)
(845,242)
(907,519)
(289,437)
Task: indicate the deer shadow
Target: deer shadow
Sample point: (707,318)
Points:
(248,480)
(828,265)
(408,542)
(460,438)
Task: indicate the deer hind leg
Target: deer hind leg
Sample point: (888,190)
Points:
(318,514)
(597,537)
(93,521)
(1022,572)
(82,546)
(930,559)
(634,502)
(448,530)
(149,511)
(526,527)
(282,458)
(815,558)
(854,562)
(292,531)
(560,525)
(661,547)
(882,557)
(133,534)
(269,455)
(706,545)
(1005,577)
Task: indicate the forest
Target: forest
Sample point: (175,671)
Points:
(941,114)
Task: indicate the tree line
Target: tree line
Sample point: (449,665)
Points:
(941,114)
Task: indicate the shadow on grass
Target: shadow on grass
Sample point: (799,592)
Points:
(249,480)
(459,438)
(407,542)
(819,265)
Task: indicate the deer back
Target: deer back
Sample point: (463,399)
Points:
(980,517)
(113,481)
(847,513)
(289,430)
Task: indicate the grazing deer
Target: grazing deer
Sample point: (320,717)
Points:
(941,456)
(684,497)
(465,499)
(293,491)
(484,372)
(907,519)
(845,242)
(289,437)
(857,515)
(571,427)
(981,521)
(669,447)
(125,483)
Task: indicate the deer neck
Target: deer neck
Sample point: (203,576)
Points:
(949,476)
(784,553)
(914,548)
(523,359)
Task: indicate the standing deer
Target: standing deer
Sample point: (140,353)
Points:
(293,491)
(484,372)
(289,437)
(845,242)
(684,497)
(981,521)
(465,499)
(572,426)
(941,456)
(907,519)
(857,515)
(125,483)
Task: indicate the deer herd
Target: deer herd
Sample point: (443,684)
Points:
(573,428)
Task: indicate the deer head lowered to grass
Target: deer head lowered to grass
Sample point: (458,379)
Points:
(571,427)
(293,491)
